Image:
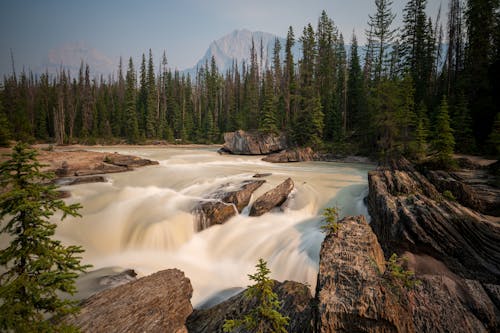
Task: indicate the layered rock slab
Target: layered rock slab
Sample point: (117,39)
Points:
(253,143)
(156,303)
(224,203)
(272,198)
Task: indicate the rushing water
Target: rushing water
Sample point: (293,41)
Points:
(142,219)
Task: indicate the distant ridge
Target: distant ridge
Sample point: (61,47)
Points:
(236,46)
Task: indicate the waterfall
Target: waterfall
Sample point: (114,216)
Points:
(143,220)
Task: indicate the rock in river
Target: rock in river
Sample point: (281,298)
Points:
(253,143)
(224,203)
(273,198)
(292,155)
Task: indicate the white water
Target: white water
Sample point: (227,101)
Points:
(142,220)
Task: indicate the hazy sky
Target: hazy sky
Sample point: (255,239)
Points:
(35,29)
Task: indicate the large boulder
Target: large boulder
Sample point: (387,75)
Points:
(292,155)
(296,303)
(351,292)
(156,303)
(273,198)
(253,143)
(221,205)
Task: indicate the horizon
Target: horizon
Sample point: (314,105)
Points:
(48,42)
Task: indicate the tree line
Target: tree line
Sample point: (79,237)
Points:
(420,88)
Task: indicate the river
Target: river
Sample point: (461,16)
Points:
(142,219)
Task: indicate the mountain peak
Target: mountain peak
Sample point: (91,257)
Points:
(236,46)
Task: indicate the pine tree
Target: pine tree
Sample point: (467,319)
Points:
(131,123)
(494,138)
(36,268)
(355,91)
(152,102)
(419,145)
(308,129)
(289,82)
(443,142)
(4,126)
(268,118)
(382,36)
(265,316)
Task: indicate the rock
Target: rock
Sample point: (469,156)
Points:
(251,143)
(156,303)
(354,296)
(273,198)
(100,169)
(128,161)
(262,175)
(63,171)
(351,293)
(224,204)
(292,155)
(409,214)
(65,181)
(296,303)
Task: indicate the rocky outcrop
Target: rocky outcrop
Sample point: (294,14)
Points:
(453,250)
(253,143)
(273,198)
(156,303)
(409,214)
(296,303)
(292,155)
(354,294)
(471,188)
(66,181)
(351,292)
(223,204)
(86,163)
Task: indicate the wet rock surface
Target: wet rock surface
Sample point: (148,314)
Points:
(224,203)
(296,303)
(273,198)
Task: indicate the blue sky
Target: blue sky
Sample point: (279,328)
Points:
(33,29)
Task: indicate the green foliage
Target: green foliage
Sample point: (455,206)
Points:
(444,142)
(494,138)
(330,220)
(265,317)
(398,274)
(35,267)
(448,195)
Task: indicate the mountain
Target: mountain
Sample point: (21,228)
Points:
(236,46)
(69,56)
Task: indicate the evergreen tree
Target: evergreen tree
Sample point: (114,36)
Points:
(268,118)
(152,101)
(443,142)
(494,138)
(36,268)
(131,125)
(480,51)
(308,129)
(355,91)
(289,82)
(382,36)
(4,126)
(325,76)
(419,147)
(265,316)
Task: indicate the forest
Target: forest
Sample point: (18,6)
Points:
(422,89)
